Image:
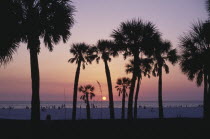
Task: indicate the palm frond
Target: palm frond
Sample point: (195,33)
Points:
(165,66)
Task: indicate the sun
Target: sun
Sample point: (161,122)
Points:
(104,98)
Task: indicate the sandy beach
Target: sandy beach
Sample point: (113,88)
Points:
(102,113)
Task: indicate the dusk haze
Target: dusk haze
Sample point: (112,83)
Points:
(95,20)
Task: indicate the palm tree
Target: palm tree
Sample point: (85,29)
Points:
(194,63)
(9,37)
(83,55)
(106,49)
(145,66)
(135,37)
(163,53)
(122,85)
(47,19)
(88,93)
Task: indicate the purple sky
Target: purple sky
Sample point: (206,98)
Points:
(95,19)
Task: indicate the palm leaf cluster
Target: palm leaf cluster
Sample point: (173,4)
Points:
(163,53)
(136,36)
(122,83)
(195,53)
(9,36)
(87,91)
(145,67)
(83,53)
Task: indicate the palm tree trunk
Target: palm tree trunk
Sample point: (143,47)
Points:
(88,107)
(123,104)
(208,99)
(205,101)
(109,82)
(136,97)
(160,101)
(76,81)
(133,81)
(35,102)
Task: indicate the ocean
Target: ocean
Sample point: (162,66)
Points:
(97,104)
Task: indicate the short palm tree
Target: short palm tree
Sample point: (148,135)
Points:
(122,85)
(50,20)
(195,48)
(106,50)
(135,37)
(145,67)
(163,53)
(87,94)
(82,55)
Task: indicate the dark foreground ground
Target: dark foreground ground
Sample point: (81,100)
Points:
(155,128)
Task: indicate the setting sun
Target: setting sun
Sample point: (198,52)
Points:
(104,98)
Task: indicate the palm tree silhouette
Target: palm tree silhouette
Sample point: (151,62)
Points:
(88,93)
(106,49)
(82,55)
(122,85)
(50,20)
(145,67)
(135,37)
(195,48)
(163,52)
(9,37)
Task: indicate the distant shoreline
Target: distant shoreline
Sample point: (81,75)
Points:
(102,113)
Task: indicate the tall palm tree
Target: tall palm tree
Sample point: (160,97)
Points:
(88,93)
(106,49)
(163,53)
(82,55)
(135,37)
(122,85)
(194,63)
(145,67)
(47,19)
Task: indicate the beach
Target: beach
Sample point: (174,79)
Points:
(102,113)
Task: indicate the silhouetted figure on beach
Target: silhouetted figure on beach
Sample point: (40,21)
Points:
(48,117)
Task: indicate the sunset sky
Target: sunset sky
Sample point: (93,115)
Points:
(96,19)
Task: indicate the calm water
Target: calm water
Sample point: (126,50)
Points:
(98,104)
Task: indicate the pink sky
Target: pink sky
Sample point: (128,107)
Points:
(95,19)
